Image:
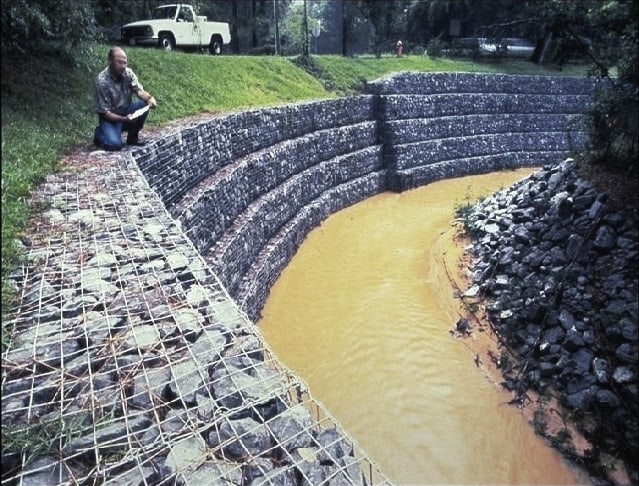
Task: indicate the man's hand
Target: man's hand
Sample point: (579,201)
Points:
(152,102)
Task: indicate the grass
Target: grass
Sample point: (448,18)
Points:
(348,74)
(47,107)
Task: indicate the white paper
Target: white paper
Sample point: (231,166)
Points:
(139,112)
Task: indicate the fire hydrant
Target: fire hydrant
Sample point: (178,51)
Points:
(399,49)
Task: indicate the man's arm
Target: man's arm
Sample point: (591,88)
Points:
(114,117)
(148,98)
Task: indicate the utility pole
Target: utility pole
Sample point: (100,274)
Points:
(277,27)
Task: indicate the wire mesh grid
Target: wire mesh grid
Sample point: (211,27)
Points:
(128,363)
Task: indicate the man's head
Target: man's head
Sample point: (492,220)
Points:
(117,60)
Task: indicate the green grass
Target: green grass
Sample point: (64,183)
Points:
(348,74)
(47,107)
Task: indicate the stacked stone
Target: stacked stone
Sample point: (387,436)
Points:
(439,125)
(559,268)
(129,363)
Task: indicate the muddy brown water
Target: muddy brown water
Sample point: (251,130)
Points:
(363,312)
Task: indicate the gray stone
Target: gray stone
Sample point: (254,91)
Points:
(282,476)
(154,231)
(234,386)
(583,359)
(554,335)
(606,238)
(149,386)
(627,353)
(601,369)
(607,399)
(293,428)
(74,306)
(623,375)
(142,336)
(188,321)
(176,422)
(582,399)
(41,291)
(45,471)
(241,438)
(187,379)
(103,259)
(111,436)
(206,406)
(135,476)
(566,319)
(86,217)
(213,472)
(209,346)
(333,446)
(177,261)
(198,296)
(186,455)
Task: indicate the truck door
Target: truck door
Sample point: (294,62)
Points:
(186,31)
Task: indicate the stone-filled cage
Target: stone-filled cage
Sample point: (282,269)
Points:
(134,356)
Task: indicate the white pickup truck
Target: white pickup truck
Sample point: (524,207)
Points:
(176,25)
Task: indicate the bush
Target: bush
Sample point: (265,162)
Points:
(614,128)
(434,48)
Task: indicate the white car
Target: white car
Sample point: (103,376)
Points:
(506,47)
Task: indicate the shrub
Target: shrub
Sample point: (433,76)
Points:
(434,48)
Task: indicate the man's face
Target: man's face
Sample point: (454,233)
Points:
(119,62)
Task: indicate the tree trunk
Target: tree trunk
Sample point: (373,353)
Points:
(305,32)
(544,50)
(344,30)
(235,42)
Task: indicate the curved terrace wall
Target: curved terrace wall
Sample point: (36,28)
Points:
(129,353)
(248,187)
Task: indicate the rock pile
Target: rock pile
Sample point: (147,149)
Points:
(558,268)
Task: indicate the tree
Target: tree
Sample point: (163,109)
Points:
(388,20)
(50,27)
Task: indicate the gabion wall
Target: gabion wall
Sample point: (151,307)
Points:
(133,358)
(248,187)
(441,125)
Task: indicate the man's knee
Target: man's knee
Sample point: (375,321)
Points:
(109,139)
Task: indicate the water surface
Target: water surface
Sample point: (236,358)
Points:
(363,312)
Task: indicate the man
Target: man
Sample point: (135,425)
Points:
(114,88)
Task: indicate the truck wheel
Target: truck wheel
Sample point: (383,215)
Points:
(215,47)
(166,42)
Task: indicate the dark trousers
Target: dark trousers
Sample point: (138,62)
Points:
(109,134)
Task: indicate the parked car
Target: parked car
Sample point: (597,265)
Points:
(464,47)
(490,47)
(507,47)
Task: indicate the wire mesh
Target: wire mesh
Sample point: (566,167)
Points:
(128,363)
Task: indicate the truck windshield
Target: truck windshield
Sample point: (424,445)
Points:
(164,13)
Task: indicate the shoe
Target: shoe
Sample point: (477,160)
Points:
(96,140)
(136,142)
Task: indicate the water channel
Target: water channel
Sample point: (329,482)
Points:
(362,313)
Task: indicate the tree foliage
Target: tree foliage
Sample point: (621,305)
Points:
(615,116)
(605,34)
(50,27)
